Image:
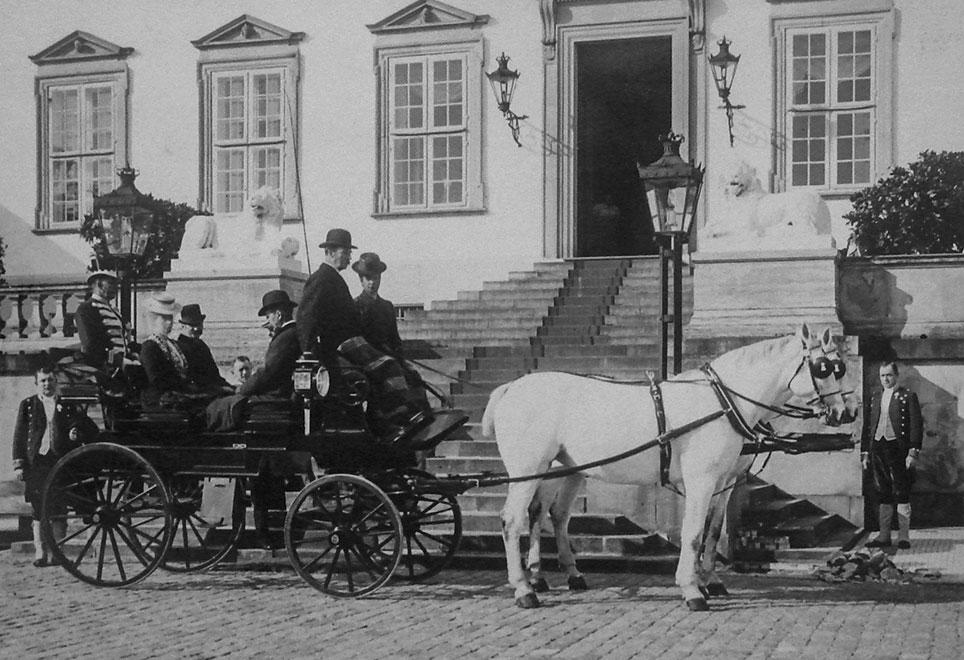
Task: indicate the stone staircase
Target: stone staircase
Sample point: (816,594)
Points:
(587,316)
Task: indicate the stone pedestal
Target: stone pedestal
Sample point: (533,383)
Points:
(762,294)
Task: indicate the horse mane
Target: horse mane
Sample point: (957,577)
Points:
(762,351)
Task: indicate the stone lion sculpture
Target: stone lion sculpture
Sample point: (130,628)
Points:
(256,231)
(755,219)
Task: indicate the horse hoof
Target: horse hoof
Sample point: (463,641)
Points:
(539,585)
(697,605)
(527,602)
(577,583)
(716,589)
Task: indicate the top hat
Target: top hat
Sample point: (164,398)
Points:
(191,315)
(369,264)
(162,303)
(101,273)
(338,238)
(275,298)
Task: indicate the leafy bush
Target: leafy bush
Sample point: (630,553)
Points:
(915,210)
(169,220)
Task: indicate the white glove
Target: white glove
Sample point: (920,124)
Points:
(18,473)
(910,461)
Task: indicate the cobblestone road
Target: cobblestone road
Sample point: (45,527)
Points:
(469,614)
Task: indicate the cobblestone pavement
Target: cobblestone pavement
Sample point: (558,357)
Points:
(469,614)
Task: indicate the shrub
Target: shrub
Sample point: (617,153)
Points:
(915,210)
(169,220)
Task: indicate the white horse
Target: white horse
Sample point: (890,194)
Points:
(576,420)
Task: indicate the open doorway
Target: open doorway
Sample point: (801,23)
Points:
(623,103)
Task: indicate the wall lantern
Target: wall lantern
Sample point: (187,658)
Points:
(126,222)
(503,81)
(724,69)
(672,189)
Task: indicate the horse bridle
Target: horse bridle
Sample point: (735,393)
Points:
(821,368)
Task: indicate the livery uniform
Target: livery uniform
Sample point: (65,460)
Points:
(101,330)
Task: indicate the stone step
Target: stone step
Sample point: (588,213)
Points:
(580,523)
(466,449)
(502,302)
(625,546)
(491,503)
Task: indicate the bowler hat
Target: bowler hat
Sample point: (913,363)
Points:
(100,273)
(275,298)
(162,303)
(191,315)
(338,238)
(369,264)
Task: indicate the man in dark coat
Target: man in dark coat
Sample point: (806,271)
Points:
(45,430)
(890,445)
(269,382)
(327,315)
(202,370)
(104,337)
(378,323)
(273,378)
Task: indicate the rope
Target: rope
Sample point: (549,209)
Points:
(301,201)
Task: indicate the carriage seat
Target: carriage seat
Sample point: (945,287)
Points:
(273,415)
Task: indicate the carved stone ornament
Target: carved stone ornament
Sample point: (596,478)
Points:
(547,10)
(427,15)
(79,46)
(246,30)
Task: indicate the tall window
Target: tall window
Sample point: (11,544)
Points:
(837,104)
(428,132)
(250,139)
(250,74)
(80,149)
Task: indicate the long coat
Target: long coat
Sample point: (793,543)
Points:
(378,323)
(202,370)
(905,417)
(31,424)
(274,377)
(100,329)
(326,316)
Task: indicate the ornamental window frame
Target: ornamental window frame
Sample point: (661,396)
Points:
(857,133)
(79,65)
(248,49)
(432,36)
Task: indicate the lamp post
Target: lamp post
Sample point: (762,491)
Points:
(672,189)
(724,65)
(126,222)
(503,81)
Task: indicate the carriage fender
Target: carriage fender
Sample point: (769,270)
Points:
(488,417)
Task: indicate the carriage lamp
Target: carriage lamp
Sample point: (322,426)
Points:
(672,188)
(724,69)
(126,222)
(503,81)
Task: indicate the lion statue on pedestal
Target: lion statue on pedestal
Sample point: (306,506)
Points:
(256,231)
(755,219)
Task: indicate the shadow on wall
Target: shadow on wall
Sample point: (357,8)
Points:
(868,300)
(30,257)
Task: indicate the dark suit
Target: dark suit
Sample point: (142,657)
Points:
(378,323)
(28,435)
(888,458)
(202,370)
(274,377)
(165,387)
(327,315)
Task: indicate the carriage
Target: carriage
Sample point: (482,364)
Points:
(155,490)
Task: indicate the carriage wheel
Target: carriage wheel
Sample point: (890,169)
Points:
(343,535)
(106,515)
(431,524)
(201,538)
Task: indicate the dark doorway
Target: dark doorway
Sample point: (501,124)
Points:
(624,102)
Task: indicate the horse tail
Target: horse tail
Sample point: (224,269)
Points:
(488,417)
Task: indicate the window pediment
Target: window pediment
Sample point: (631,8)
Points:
(247,30)
(79,46)
(427,15)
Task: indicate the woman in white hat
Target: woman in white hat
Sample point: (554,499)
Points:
(165,364)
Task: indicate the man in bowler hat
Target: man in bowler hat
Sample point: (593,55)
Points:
(273,378)
(202,370)
(378,322)
(327,315)
(890,445)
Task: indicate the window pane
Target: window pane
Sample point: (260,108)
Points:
(853,148)
(266,167)
(853,66)
(808,69)
(447,91)
(808,149)
(407,95)
(447,169)
(65,190)
(267,105)
(99,177)
(229,108)
(98,106)
(64,120)
(229,181)
(408,167)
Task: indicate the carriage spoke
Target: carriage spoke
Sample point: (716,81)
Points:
(331,569)
(71,537)
(100,556)
(135,547)
(348,571)
(90,542)
(117,557)
(314,562)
